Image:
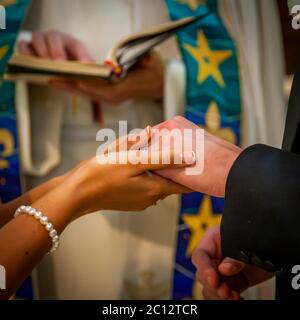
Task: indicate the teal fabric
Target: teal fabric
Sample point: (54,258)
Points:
(212,83)
(10,181)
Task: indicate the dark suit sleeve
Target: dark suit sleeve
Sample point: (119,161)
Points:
(261,221)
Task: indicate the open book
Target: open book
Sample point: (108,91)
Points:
(121,58)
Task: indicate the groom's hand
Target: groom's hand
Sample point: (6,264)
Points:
(223,278)
(219,157)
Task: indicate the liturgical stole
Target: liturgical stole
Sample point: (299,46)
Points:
(213,102)
(12,13)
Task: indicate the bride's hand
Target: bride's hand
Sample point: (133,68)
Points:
(124,187)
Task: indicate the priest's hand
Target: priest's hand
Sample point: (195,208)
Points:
(54,45)
(223,278)
(143,82)
(219,157)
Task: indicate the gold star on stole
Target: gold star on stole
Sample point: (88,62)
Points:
(213,124)
(208,60)
(193,4)
(7,2)
(200,222)
(148,289)
(3,52)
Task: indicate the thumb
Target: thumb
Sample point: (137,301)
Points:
(230,267)
(153,161)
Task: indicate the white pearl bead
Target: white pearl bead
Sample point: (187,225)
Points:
(38,215)
(49,226)
(56,245)
(44,220)
(55,239)
(32,212)
(53,233)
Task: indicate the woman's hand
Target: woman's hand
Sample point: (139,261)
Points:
(54,45)
(125,187)
(88,187)
(143,82)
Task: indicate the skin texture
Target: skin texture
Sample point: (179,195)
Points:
(143,82)
(223,278)
(219,156)
(86,188)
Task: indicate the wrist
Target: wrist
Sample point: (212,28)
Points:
(227,164)
(60,205)
(83,189)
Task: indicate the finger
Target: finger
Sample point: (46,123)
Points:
(169,187)
(141,161)
(210,294)
(235,296)
(130,142)
(224,291)
(135,141)
(206,269)
(152,161)
(24,47)
(55,45)
(39,45)
(76,50)
(238,283)
(230,267)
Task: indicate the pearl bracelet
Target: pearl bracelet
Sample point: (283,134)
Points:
(44,221)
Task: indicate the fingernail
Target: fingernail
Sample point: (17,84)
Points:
(188,157)
(148,130)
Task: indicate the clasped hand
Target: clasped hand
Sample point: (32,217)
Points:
(124,187)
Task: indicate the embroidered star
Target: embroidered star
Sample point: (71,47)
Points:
(213,124)
(208,60)
(3,52)
(193,4)
(200,222)
(7,2)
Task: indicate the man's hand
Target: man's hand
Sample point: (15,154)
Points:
(143,82)
(54,45)
(219,156)
(223,278)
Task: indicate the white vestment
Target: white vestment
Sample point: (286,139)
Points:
(120,255)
